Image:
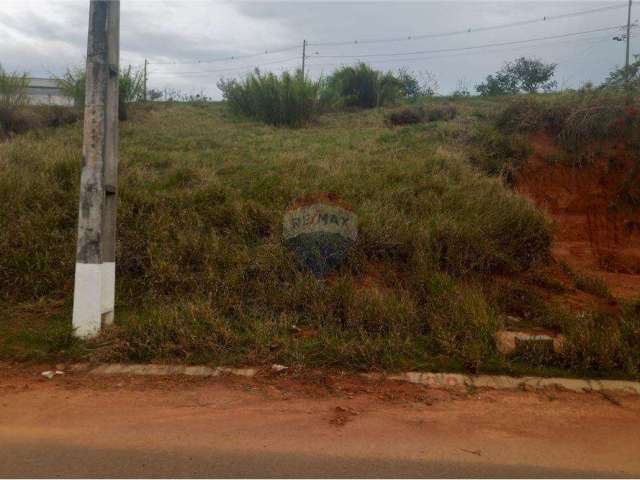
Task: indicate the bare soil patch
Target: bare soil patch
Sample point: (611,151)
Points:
(597,232)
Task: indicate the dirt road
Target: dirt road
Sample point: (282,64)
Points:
(307,425)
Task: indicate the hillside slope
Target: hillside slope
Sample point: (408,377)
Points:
(204,276)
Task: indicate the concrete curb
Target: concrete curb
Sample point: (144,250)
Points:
(164,370)
(504,382)
(438,380)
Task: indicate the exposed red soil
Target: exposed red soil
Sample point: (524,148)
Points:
(597,233)
(302,413)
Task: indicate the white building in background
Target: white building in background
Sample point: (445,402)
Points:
(45,91)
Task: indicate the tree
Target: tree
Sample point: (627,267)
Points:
(619,76)
(528,75)
(155,94)
(412,85)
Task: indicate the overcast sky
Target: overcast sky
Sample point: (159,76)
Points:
(45,37)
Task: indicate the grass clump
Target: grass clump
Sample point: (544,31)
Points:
(599,342)
(497,153)
(290,99)
(575,119)
(589,284)
(420,114)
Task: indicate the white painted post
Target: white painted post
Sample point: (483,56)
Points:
(93,297)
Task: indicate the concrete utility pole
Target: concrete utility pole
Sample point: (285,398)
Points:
(626,63)
(94,292)
(146,63)
(304,55)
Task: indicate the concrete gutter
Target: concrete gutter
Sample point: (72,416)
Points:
(504,382)
(436,380)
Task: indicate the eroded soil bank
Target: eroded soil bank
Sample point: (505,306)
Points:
(597,225)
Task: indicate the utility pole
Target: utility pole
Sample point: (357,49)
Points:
(628,35)
(146,62)
(94,290)
(304,55)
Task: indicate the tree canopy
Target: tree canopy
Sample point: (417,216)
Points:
(522,75)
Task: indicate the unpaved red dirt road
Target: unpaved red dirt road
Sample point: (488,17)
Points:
(309,425)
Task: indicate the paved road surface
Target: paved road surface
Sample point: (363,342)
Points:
(78,426)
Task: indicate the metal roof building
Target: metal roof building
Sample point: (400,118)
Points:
(45,91)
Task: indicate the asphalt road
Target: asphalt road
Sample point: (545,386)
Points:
(42,459)
(82,426)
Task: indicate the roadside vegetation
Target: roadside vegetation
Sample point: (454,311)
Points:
(447,253)
(130,87)
(18,116)
(294,100)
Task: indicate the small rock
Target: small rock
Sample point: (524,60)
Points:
(508,341)
(59,372)
(48,374)
(278,368)
(295,329)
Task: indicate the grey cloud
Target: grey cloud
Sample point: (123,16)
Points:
(49,36)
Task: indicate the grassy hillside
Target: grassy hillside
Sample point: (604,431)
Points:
(203,274)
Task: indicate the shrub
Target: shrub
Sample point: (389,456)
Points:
(522,75)
(440,112)
(623,77)
(20,120)
(361,86)
(412,87)
(13,89)
(406,116)
(290,99)
(412,115)
(130,87)
(13,97)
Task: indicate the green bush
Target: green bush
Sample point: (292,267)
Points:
(361,86)
(13,89)
(13,99)
(130,87)
(290,99)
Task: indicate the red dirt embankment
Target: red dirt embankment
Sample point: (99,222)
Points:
(597,232)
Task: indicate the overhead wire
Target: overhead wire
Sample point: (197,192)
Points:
(471,30)
(472,47)
(242,67)
(591,40)
(230,58)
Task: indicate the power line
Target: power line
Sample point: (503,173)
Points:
(596,39)
(233,57)
(397,39)
(473,47)
(243,67)
(470,30)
